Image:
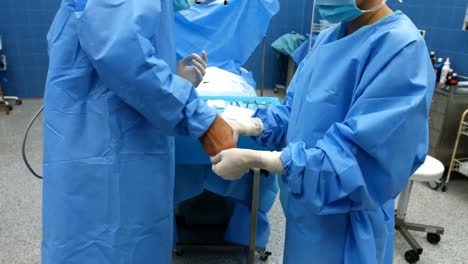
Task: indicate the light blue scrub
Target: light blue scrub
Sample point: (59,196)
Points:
(112,105)
(229,34)
(355,124)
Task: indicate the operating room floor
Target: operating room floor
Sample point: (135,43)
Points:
(20,208)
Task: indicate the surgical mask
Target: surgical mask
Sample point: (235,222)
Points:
(180,5)
(337,11)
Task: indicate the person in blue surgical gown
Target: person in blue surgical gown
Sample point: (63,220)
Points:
(351,131)
(113,103)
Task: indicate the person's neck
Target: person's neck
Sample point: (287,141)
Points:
(368,19)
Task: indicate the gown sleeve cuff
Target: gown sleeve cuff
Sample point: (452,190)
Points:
(265,138)
(293,180)
(199,116)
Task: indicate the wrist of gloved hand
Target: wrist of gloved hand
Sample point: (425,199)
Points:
(232,164)
(267,160)
(247,127)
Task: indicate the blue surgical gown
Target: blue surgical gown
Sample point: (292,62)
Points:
(112,107)
(355,125)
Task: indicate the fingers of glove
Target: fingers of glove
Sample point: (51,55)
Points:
(228,171)
(205,57)
(186,61)
(216,159)
(197,58)
(198,77)
(200,67)
(235,136)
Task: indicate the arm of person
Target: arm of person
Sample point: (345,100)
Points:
(117,37)
(366,160)
(275,122)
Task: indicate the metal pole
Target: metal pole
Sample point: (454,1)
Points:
(312,26)
(254,215)
(263,66)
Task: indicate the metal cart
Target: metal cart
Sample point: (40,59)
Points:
(458,164)
(251,249)
(206,230)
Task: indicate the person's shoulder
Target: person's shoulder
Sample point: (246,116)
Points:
(398,31)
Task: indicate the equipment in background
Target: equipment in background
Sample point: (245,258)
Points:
(3,81)
(431,170)
(284,47)
(458,163)
(448,105)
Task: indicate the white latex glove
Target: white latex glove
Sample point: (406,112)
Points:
(232,164)
(252,127)
(194,73)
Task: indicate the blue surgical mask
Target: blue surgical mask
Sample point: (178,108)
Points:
(180,5)
(337,11)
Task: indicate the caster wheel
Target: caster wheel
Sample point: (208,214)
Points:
(19,102)
(179,253)
(444,188)
(432,238)
(10,108)
(434,185)
(264,255)
(411,256)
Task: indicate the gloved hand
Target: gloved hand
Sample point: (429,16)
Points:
(232,164)
(246,127)
(194,73)
(218,137)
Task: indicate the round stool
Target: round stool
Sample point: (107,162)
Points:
(431,170)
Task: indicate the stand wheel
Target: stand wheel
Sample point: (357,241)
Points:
(10,108)
(411,256)
(179,252)
(444,188)
(19,102)
(264,255)
(432,238)
(434,185)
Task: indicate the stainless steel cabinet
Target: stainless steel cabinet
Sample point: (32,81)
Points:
(447,108)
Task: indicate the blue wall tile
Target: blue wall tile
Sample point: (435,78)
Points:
(443,21)
(23,27)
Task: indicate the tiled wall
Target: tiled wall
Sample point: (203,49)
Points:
(443,21)
(23,26)
(291,17)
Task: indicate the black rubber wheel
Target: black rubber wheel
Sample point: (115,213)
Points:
(432,238)
(10,108)
(434,185)
(444,188)
(19,102)
(411,256)
(264,255)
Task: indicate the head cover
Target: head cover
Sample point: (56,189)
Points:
(180,5)
(337,11)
